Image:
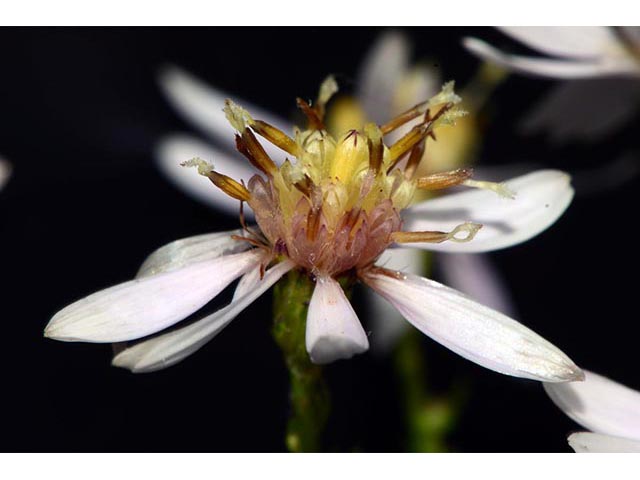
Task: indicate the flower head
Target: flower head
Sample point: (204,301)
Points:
(387,84)
(337,206)
(331,209)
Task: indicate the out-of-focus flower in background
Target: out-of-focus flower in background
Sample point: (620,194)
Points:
(600,67)
(610,411)
(5,172)
(576,52)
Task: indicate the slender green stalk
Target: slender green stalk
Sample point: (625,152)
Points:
(309,395)
(429,419)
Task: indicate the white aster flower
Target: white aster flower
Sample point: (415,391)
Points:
(331,211)
(610,410)
(387,85)
(601,64)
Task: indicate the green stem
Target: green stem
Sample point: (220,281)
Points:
(429,419)
(309,395)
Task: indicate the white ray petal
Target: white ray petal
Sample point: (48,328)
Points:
(387,325)
(202,105)
(553,68)
(599,404)
(5,172)
(248,282)
(586,442)
(383,67)
(540,199)
(564,115)
(175,149)
(476,276)
(170,348)
(333,329)
(472,330)
(578,42)
(185,251)
(147,305)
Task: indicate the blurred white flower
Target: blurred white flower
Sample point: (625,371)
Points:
(610,410)
(576,52)
(331,214)
(387,84)
(601,64)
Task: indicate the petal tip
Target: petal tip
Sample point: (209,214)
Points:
(330,348)
(120,361)
(566,372)
(578,375)
(55,331)
(574,442)
(48,332)
(474,45)
(333,331)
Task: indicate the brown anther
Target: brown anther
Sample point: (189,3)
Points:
(263,267)
(376,147)
(438,181)
(276,136)
(406,143)
(280,247)
(305,185)
(242,148)
(313,223)
(376,153)
(350,219)
(419,237)
(445,108)
(373,269)
(251,148)
(400,120)
(417,134)
(229,186)
(352,133)
(252,241)
(243,224)
(415,157)
(315,121)
(468,229)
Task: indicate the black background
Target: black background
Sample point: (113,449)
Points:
(81,111)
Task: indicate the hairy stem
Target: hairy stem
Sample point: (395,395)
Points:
(309,395)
